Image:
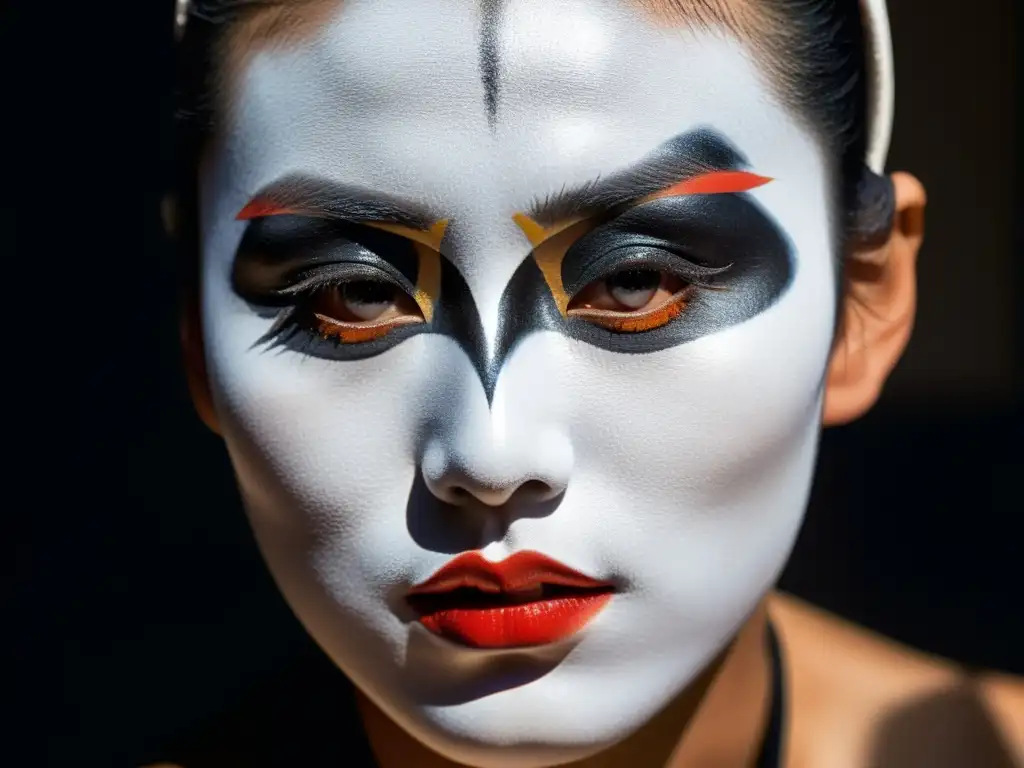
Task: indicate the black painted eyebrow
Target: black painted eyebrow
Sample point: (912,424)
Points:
(679,159)
(312,196)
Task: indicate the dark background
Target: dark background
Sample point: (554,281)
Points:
(139,603)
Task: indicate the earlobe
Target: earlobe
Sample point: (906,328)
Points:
(878,309)
(195,362)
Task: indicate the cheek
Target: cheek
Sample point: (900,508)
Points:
(700,456)
(323,438)
(706,417)
(326,454)
(717,410)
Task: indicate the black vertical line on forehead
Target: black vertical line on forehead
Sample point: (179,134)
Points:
(490,18)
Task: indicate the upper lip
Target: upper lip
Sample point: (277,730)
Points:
(520,572)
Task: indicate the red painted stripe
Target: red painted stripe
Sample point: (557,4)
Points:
(260,207)
(715,183)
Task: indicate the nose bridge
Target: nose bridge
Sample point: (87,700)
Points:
(487,248)
(503,436)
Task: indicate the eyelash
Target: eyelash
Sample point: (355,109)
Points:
(300,318)
(638,321)
(657,257)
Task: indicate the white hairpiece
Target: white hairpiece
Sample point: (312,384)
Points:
(881,82)
(180,17)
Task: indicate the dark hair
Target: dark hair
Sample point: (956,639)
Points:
(817,56)
(829,88)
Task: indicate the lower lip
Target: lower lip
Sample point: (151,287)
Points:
(517,626)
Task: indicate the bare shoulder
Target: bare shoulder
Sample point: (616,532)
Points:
(860,699)
(1004,696)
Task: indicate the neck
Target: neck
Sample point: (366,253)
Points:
(720,719)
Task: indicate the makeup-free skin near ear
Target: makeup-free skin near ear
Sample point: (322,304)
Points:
(191,331)
(879,311)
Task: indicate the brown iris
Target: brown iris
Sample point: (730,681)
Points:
(362,310)
(632,301)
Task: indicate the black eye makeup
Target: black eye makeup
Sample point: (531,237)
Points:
(335,281)
(642,279)
(632,300)
(640,284)
(670,270)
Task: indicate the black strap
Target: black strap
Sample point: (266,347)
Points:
(771,747)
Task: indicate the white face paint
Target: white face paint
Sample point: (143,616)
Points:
(680,474)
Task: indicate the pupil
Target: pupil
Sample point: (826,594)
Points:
(635,280)
(368,292)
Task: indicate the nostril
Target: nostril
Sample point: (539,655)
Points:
(528,491)
(536,490)
(530,475)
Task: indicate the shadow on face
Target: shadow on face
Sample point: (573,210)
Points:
(438,526)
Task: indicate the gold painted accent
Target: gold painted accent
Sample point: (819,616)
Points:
(427,244)
(548,252)
(534,232)
(537,233)
(428,280)
(430,237)
(549,259)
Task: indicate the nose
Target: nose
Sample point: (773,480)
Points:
(473,468)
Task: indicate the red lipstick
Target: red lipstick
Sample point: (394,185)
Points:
(528,599)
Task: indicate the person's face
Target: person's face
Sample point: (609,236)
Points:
(630,386)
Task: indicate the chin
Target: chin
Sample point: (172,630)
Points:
(532,707)
(514,728)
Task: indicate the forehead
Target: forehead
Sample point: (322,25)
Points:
(432,97)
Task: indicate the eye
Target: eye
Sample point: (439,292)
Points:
(354,311)
(632,300)
(634,289)
(364,299)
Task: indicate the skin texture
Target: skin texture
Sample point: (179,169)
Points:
(677,468)
(349,467)
(878,315)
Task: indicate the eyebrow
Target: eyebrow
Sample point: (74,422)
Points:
(303,195)
(699,161)
(696,162)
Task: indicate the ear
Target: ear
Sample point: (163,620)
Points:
(195,361)
(878,311)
